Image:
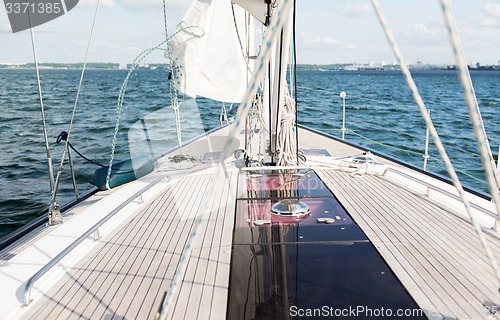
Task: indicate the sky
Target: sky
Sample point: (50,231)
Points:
(328,31)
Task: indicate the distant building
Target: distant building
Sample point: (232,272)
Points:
(364,67)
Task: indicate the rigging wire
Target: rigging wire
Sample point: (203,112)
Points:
(388,103)
(59,172)
(243,53)
(436,138)
(294,73)
(40,96)
(392,103)
(275,154)
(483,145)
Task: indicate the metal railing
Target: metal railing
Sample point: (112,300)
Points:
(432,187)
(93,230)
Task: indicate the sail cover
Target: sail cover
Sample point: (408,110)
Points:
(208,51)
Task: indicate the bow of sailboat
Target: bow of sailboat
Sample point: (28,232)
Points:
(260,218)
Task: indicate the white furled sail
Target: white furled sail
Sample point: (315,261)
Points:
(276,97)
(209,51)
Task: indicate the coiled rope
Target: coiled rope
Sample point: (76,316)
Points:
(435,137)
(287,145)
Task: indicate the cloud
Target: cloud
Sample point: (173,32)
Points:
(109,45)
(5,27)
(141,5)
(491,17)
(358,10)
(316,42)
(147,4)
(423,34)
(137,4)
(426,30)
(492,9)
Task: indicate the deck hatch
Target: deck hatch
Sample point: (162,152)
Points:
(286,266)
(281,184)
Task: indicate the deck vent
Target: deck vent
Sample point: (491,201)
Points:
(211,157)
(290,208)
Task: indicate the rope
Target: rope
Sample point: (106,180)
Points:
(439,160)
(59,172)
(435,136)
(63,136)
(119,105)
(121,96)
(256,124)
(286,145)
(172,91)
(487,160)
(273,31)
(223,115)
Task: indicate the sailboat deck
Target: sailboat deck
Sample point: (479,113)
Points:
(127,274)
(435,254)
(38,233)
(432,250)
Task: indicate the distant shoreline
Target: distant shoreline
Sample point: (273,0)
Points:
(301,67)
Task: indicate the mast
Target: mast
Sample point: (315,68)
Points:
(277,96)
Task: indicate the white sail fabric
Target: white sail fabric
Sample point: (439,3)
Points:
(209,60)
(257,8)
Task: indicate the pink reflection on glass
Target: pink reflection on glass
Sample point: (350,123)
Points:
(284,185)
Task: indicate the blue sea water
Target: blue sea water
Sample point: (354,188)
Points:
(380,114)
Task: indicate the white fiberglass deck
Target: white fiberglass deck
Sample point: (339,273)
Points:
(432,250)
(128,273)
